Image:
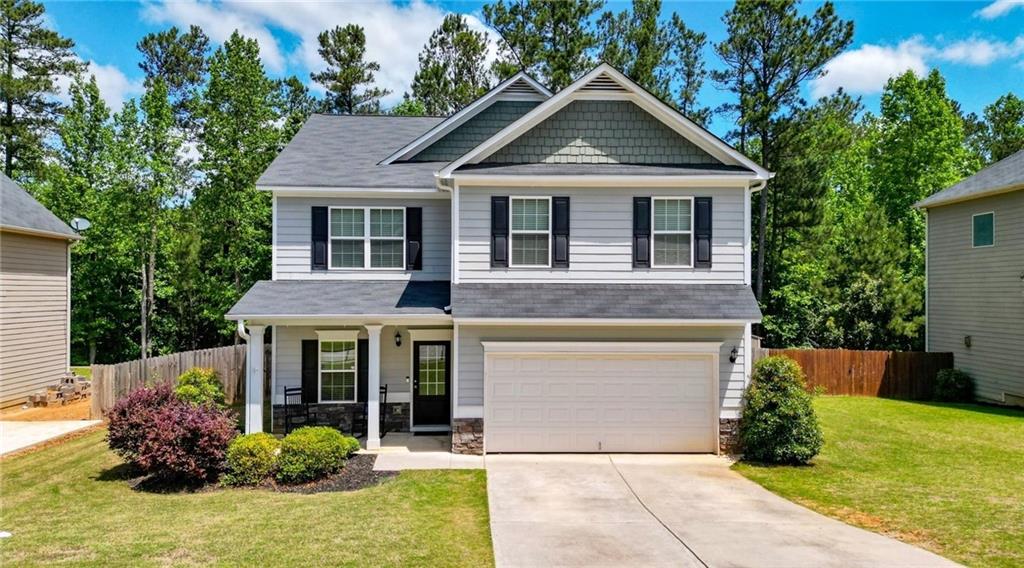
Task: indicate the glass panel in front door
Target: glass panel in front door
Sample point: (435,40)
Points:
(432,370)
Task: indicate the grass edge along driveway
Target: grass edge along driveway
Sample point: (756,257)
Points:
(70,504)
(946,477)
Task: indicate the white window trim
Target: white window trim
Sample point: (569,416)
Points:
(335,335)
(993,214)
(512,232)
(654,232)
(366,238)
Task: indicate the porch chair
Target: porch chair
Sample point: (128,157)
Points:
(361,411)
(296,412)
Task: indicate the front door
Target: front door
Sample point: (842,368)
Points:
(431,384)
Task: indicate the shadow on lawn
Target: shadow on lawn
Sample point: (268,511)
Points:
(982,408)
(130,475)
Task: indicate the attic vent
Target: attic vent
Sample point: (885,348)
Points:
(521,87)
(603,84)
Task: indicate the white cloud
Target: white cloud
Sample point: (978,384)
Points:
(395,33)
(998,9)
(866,69)
(115,87)
(981,52)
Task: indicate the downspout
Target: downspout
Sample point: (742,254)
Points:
(241,330)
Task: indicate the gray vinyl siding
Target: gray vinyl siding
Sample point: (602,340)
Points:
(294,235)
(601,132)
(474,131)
(979,292)
(33,314)
(601,235)
(471,352)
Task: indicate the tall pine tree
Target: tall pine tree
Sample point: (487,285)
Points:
(32,58)
(349,76)
(452,71)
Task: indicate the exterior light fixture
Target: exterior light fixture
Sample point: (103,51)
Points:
(398,339)
(967,341)
(734,354)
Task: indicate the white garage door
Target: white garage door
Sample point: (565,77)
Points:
(592,397)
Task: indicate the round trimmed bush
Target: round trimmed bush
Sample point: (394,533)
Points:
(310,453)
(200,385)
(351,446)
(251,458)
(187,442)
(778,424)
(133,417)
(954,385)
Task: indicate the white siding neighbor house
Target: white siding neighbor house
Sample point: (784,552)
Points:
(35,295)
(975,278)
(539,272)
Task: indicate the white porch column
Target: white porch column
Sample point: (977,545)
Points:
(373,386)
(254,380)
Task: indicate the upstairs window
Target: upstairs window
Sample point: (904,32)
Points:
(531,231)
(983,231)
(673,232)
(367,237)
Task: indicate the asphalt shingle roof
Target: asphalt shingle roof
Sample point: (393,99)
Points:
(611,301)
(1004,174)
(344,151)
(20,211)
(342,298)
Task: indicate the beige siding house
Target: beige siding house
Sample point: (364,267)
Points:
(975,281)
(35,295)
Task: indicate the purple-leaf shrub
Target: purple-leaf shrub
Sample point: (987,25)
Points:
(132,418)
(187,442)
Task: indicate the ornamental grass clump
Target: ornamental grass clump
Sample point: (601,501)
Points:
(313,452)
(200,385)
(778,424)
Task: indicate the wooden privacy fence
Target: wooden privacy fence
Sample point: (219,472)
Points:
(888,374)
(111,382)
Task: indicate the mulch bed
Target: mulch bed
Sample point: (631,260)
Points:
(357,474)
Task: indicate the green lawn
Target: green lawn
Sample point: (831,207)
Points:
(85,371)
(67,504)
(946,477)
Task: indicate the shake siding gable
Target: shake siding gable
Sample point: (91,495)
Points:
(979,292)
(601,132)
(33,314)
(477,129)
(601,239)
(293,239)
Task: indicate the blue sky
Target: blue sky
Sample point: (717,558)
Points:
(978,46)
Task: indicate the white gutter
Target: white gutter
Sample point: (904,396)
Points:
(241,330)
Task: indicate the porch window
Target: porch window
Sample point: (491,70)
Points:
(337,371)
(367,237)
(673,232)
(531,231)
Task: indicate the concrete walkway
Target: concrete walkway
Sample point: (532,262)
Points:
(19,435)
(402,450)
(660,510)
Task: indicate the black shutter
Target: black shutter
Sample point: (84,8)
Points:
(560,232)
(318,246)
(414,238)
(310,375)
(499,231)
(642,232)
(702,232)
(362,368)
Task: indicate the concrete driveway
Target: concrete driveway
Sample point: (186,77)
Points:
(16,436)
(660,510)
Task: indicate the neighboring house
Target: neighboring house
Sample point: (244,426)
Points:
(975,277)
(538,272)
(35,295)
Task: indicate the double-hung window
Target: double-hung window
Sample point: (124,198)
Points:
(337,368)
(530,231)
(367,237)
(673,232)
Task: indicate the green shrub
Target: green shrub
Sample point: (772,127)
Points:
(200,385)
(954,385)
(351,446)
(310,453)
(778,424)
(251,458)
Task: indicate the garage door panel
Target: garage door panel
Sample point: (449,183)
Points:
(588,402)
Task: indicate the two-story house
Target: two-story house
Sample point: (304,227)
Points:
(537,273)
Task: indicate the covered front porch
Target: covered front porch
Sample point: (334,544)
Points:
(387,368)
